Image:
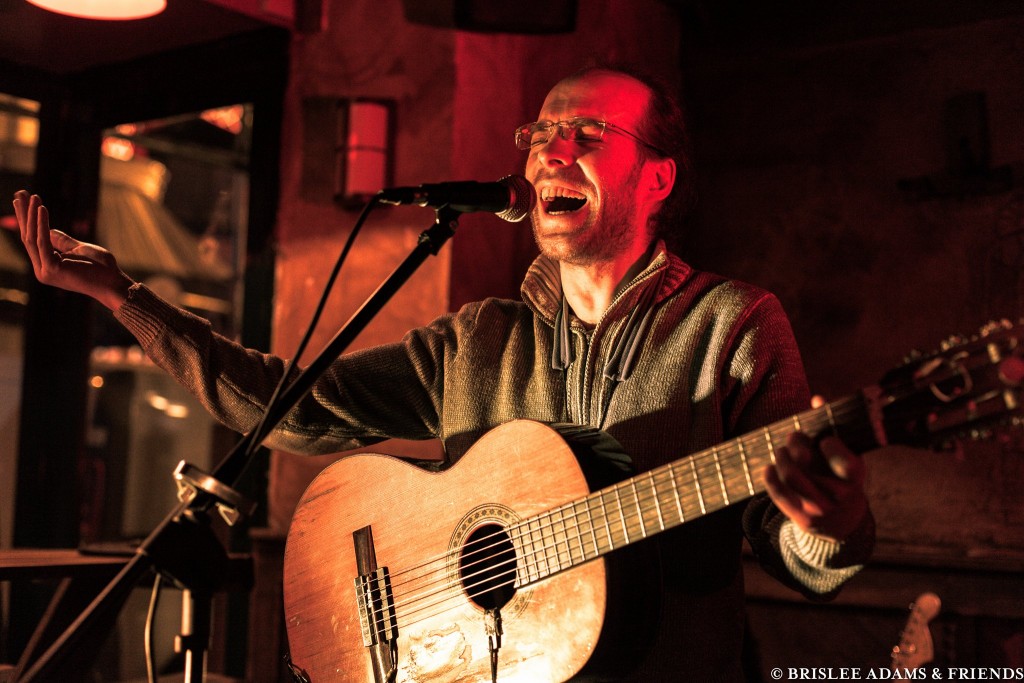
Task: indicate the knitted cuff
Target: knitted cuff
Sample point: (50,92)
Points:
(822,564)
(146,315)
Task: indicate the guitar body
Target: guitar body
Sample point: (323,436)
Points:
(419,520)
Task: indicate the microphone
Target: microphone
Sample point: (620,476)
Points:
(511,198)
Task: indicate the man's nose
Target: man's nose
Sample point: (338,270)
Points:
(557,151)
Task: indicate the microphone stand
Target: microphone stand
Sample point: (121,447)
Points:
(182,547)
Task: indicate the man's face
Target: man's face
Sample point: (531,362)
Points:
(588,209)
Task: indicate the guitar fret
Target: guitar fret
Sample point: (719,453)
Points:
(560,538)
(588,554)
(657,502)
(696,483)
(675,492)
(607,525)
(584,555)
(639,511)
(593,528)
(771,446)
(746,467)
(535,574)
(515,533)
(581,551)
(734,470)
(562,533)
(721,479)
(566,521)
(545,546)
(545,549)
(578,540)
(831,419)
(524,566)
(622,516)
(796,423)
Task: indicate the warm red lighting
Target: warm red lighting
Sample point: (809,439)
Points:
(104,9)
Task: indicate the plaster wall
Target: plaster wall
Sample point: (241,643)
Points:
(800,155)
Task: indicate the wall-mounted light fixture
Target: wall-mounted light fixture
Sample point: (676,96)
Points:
(103,9)
(347,149)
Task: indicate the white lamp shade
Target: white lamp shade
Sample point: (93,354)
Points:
(104,9)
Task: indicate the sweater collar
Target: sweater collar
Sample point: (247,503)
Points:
(542,286)
(542,291)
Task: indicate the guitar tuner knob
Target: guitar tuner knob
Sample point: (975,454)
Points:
(952,342)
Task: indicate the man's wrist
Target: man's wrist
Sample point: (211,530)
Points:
(114,296)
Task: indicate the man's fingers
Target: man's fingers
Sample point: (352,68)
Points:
(20,206)
(21,212)
(30,232)
(48,258)
(63,242)
(801,510)
(793,481)
(843,462)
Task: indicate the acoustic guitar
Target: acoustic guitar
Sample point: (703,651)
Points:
(497,568)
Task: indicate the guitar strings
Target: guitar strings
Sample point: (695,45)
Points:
(436,586)
(544,550)
(703,460)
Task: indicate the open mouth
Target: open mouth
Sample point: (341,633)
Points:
(561,200)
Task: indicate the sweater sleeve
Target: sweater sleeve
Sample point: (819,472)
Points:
(768,384)
(359,400)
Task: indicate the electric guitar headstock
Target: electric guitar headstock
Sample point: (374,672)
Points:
(915,648)
(970,388)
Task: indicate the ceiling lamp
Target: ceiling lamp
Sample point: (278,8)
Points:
(103,9)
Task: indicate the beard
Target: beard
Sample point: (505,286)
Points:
(602,236)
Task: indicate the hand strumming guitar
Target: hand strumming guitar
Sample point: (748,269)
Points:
(62,261)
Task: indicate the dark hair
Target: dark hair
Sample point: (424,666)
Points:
(664,127)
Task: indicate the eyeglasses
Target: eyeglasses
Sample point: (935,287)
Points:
(576,129)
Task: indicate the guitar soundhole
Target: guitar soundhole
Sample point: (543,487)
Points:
(487,566)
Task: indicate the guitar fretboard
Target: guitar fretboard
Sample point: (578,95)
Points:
(670,495)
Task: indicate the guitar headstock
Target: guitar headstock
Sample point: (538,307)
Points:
(915,648)
(968,389)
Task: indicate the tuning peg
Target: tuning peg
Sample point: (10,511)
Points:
(913,356)
(954,340)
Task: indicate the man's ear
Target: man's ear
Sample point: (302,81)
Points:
(662,178)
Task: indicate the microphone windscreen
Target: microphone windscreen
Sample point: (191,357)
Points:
(522,198)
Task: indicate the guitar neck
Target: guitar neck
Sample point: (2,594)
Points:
(673,494)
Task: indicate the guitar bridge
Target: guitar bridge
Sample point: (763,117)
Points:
(376,607)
